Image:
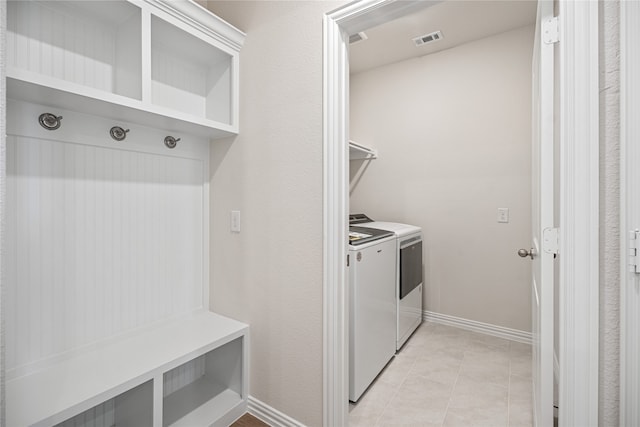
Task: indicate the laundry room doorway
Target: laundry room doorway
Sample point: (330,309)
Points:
(446,104)
(338,26)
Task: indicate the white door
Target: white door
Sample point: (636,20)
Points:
(542,217)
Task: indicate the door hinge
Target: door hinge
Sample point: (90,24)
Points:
(550,30)
(634,251)
(550,240)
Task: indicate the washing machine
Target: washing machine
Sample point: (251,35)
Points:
(409,281)
(372,305)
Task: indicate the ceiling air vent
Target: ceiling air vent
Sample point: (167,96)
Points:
(357,37)
(428,38)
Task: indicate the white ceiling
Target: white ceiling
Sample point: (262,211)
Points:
(460,21)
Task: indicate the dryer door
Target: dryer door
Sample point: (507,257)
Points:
(410,265)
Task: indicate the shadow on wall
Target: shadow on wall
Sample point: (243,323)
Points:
(357,169)
(219,151)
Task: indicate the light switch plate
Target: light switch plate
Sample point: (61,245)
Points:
(503,214)
(235,221)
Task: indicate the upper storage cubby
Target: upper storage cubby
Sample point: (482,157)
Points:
(196,81)
(76,43)
(160,63)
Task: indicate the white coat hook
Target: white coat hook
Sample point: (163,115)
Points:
(49,121)
(118,133)
(170,141)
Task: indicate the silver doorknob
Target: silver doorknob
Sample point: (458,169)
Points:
(526,253)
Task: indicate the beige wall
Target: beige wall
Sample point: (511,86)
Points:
(453,134)
(270,275)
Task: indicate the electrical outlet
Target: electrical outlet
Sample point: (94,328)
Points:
(235,221)
(503,214)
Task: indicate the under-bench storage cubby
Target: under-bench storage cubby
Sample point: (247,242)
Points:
(132,408)
(196,390)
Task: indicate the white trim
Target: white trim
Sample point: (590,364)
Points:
(556,369)
(544,182)
(629,211)
(335,339)
(199,17)
(350,19)
(579,213)
(480,327)
(270,415)
(3,170)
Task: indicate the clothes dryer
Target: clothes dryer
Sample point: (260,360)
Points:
(409,277)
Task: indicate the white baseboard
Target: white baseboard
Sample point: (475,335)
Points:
(270,415)
(483,328)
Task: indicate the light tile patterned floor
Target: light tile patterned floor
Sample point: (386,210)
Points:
(446,376)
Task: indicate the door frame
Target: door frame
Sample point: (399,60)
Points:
(579,203)
(3,180)
(629,212)
(579,213)
(542,215)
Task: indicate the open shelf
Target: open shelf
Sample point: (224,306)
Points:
(212,400)
(28,87)
(361,152)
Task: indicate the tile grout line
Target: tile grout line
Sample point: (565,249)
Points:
(396,391)
(455,383)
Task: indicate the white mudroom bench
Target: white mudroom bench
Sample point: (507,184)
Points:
(184,372)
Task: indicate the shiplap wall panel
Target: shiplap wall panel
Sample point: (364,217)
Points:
(102,415)
(183,375)
(106,240)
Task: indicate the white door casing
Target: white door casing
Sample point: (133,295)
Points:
(542,171)
(578,323)
(630,213)
(337,26)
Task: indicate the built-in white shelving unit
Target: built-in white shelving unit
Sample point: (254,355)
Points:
(361,152)
(107,321)
(156,61)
